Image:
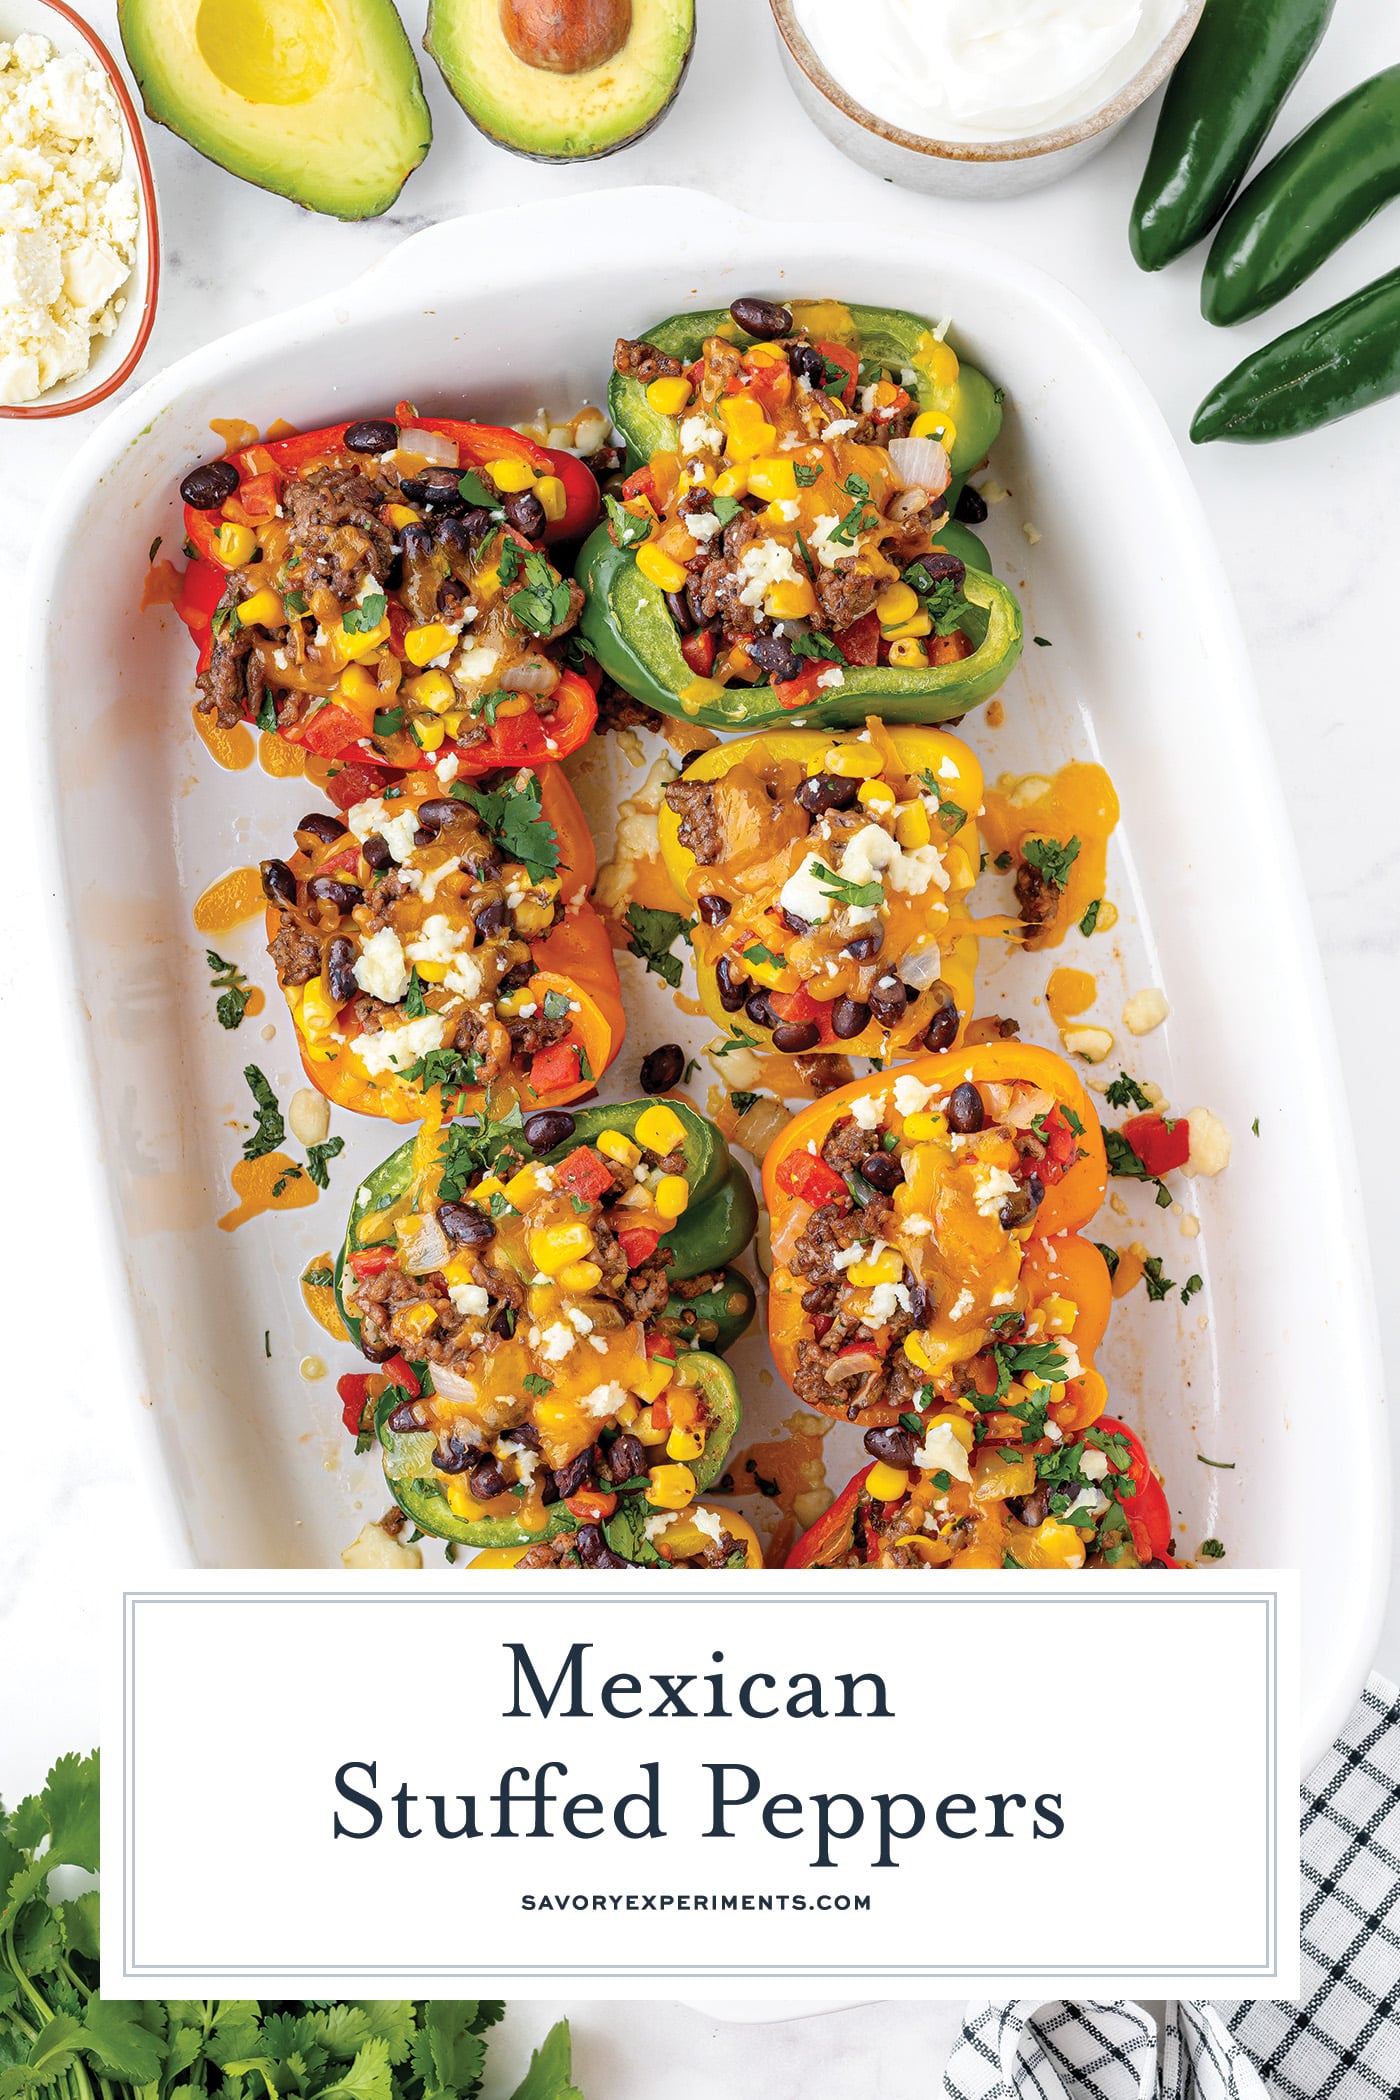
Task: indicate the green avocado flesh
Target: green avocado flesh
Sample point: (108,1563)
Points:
(318,100)
(561,116)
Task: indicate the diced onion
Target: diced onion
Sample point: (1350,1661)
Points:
(428,1248)
(921,967)
(534,674)
(453,1385)
(762,1122)
(431,445)
(921,463)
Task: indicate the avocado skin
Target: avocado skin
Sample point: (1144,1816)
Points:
(270,149)
(509,118)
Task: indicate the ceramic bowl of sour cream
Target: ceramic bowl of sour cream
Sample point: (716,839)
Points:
(977,98)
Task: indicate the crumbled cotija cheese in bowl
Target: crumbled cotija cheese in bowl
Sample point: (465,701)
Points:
(68,216)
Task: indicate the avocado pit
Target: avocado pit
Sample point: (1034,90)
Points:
(566,36)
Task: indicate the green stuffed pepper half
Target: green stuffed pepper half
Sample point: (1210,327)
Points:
(547,1296)
(782,547)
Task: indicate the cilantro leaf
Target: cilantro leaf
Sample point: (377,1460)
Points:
(366,616)
(654,935)
(414,1004)
(1124,1092)
(233,989)
(271,1129)
(318,1158)
(1051,859)
(513,816)
(1091,917)
(858,895)
(626,527)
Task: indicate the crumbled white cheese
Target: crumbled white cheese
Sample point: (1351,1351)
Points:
(963,1303)
(872,855)
(526,1460)
(788,509)
(69,219)
(395,1049)
(372,816)
(821,544)
(447,768)
(556,1342)
(803,895)
(699,434)
(1094,1464)
(1210,1143)
(832,678)
(993,1186)
(702,524)
(1092,1044)
(380,968)
(604,1400)
(865,1111)
(911,1095)
(762,564)
(1091,1498)
(472,1300)
(916,1226)
(839,428)
(884,1301)
(942,1453)
(474,664)
(579,1320)
(375,1549)
(1145,1011)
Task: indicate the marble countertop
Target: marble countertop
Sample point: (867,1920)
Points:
(1310,542)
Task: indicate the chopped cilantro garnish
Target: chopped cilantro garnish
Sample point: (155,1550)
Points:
(806,476)
(1158,1286)
(1212,1549)
(654,935)
(1111,1257)
(761,955)
(543,602)
(1221,1465)
(628,530)
(1091,917)
(512,815)
(1052,859)
(318,1158)
(318,1279)
(414,1004)
(1124,1092)
(271,1129)
(233,989)
(859,895)
(365,617)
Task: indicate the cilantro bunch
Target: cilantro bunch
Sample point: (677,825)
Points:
(60,2039)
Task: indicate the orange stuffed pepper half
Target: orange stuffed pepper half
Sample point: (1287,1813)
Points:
(430,940)
(830,872)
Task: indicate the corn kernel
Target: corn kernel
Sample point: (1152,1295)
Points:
(459,1269)
(646,1429)
(615,1144)
(1059,1315)
(317,1011)
(896,605)
(792,600)
(876,794)
(659,568)
(509,1005)
(418,1318)
(399,515)
(554,497)
(909,654)
(749,430)
(765,354)
(628,1412)
(933,423)
(660,1129)
(912,630)
(733,481)
(670,1487)
(263,609)
(521,1187)
(553,1247)
(234,545)
(422,644)
(651,1383)
(669,396)
(924,1129)
(917,1354)
(433,690)
(514,704)
(939,360)
(512,475)
(961,1428)
(428,736)
(581,1276)
(885,1267)
(354,648)
(359,686)
(853,761)
(490,1185)
(432,972)
(672,1195)
(773,479)
(685,1443)
(488,584)
(886,1483)
(912,827)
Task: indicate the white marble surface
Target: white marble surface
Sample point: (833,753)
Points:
(1308,533)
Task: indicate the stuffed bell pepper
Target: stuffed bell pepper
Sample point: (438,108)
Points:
(1087,1501)
(533,1286)
(703,1535)
(378,591)
(909,1213)
(830,873)
(783,547)
(428,939)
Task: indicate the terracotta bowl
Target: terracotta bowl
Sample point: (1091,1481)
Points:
(966,167)
(115,356)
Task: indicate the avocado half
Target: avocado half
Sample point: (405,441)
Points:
(535,106)
(319,100)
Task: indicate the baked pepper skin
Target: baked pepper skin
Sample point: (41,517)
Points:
(918,748)
(415,1486)
(626,624)
(885,335)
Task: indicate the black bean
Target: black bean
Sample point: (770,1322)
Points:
(920,1304)
(807,363)
(340,970)
(733,990)
(329,889)
(488,1480)
(775,655)
(678,606)
(626,1460)
(893,1447)
(942,1030)
(377,1352)
(516,977)
(322,827)
(525,512)
(964,1111)
(404,1420)
(793,1036)
(548,1485)
(849,1017)
(940,564)
(454,1456)
(883,1171)
(576,1474)
(793,923)
(279,884)
(547,1128)
(372,437)
(888,1000)
(714,910)
(433,815)
(594,1550)
(971,507)
(762,318)
(866,946)
(827,791)
(456,534)
(759,1009)
(451,599)
(1022,1205)
(436,488)
(206,487)
(492,918)
(662,1068)
(466,1223)
(376,853)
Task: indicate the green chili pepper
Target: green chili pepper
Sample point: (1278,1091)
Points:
(1228,87)
(715,1319)
(1313,196)
(1340,361)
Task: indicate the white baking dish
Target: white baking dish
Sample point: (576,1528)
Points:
(1273,1367)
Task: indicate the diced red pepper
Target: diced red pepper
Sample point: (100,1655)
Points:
(1061,1150)
(1160,1142)
(807,1176)
(860,642)
(949,648)
(373,1261)
(1147,1510)
(401,1372)
(583,1174)
(837,354)
(638,1243)
(698,649)
(357,782)
(353,1390)
(591,1505)
(257,496)
(642,483)
(327,732)
(803,691)
(662,1345)
(801,1006)
(559,1065)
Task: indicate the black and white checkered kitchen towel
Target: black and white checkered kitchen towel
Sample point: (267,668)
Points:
(1339,2041)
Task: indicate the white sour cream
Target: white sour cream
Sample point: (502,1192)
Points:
(974,70)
